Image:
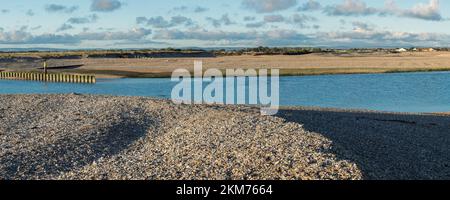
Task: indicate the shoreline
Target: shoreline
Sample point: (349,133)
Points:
(282,107)
(149,138)
(283,73)
(124,74)
(295,65)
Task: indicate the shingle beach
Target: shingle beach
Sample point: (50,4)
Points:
(102,137)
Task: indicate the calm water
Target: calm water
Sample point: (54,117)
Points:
(403,92)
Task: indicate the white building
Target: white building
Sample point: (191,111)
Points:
(401,50)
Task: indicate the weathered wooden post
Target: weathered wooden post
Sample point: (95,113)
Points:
(45,66)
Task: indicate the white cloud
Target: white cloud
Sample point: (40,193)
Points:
(255,25)
(350,7)
(270,38)
(429,11)
(363,36)
(362,26)
(311,5)
(161,22)
(64,27)
(54,8)
(273,18)
(224,20)
(302,20)
(83,20)
(105,5)
(22,36)
(267,6)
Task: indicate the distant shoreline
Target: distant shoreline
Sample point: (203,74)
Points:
(102,74)
(289,65)
(284,73)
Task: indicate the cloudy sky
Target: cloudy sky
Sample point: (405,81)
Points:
(216,23)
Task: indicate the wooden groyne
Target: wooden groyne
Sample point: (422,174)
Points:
(50,77)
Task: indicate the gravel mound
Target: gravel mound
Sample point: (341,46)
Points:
(103,137)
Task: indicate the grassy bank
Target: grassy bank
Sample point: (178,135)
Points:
(298,65)
(283,72)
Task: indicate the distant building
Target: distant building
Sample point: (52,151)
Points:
(427,50)
(401,50)
(424,49)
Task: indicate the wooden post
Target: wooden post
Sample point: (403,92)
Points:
(45,67)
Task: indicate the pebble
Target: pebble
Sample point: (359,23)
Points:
(84,137)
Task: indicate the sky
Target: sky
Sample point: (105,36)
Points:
(112,24)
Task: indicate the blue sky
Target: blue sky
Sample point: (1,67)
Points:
(214,23)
